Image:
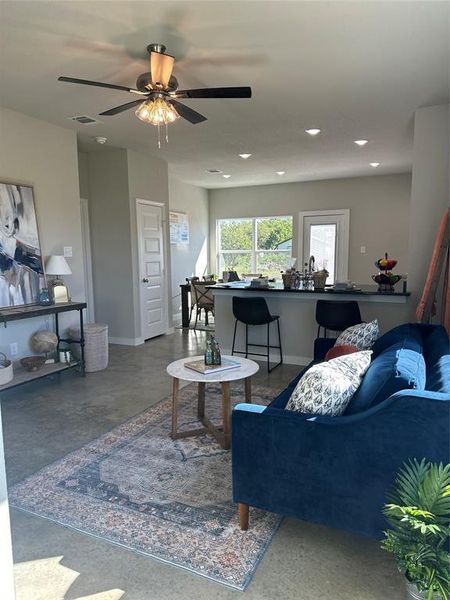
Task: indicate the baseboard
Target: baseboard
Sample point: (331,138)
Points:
(176,319)
(287,359)
(126,341)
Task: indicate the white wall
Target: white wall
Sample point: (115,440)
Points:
(379,213)
(37,153)
(188,259)
(429,191)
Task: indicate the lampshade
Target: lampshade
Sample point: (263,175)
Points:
(57,265)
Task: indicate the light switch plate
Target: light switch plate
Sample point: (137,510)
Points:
(363,249)
(68,251)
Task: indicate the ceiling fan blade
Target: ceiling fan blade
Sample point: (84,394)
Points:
(100,84)
(121,108)
(187,113)
(161,66)
(223,92)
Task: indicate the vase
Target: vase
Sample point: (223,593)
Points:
(412,593)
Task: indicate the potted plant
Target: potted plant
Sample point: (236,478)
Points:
(419,515)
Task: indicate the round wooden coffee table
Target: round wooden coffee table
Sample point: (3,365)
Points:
(178,371)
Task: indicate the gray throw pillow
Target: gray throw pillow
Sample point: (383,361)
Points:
(363,335)
(327,388)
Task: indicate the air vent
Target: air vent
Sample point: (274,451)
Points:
(84,120)
(213,171)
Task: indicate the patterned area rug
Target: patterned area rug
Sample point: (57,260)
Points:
(170,500)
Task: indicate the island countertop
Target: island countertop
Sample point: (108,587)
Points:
(296,309)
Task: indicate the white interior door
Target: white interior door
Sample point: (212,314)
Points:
(87,262)
(152,272)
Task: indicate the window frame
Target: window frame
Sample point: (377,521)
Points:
(254,251)
(340,218)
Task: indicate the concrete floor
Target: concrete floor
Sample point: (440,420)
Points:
(46,420)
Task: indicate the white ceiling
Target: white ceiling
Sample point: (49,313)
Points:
(353,69)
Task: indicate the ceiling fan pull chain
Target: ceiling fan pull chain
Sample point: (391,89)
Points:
(167,134)
(159,136)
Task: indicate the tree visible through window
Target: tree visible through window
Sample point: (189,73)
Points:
(259,245)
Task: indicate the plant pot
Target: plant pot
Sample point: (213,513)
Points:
(412,593)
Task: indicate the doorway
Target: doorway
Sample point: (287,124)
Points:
(152,269)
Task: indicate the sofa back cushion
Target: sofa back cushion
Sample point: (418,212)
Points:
(397,367)
(437,357)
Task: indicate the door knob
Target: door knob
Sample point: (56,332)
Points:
(144,280)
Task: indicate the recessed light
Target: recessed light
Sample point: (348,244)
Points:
(245,156)
(226,176)
(312,131)
(361,142)
(374,165)
(281,172)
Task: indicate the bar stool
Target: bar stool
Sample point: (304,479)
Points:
(336,315)
(254,311)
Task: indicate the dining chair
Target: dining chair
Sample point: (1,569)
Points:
(202,298)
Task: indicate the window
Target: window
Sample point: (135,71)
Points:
(259,245)
(325,235)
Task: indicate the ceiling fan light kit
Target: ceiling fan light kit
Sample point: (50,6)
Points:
(158,90)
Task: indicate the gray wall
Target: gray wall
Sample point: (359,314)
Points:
(116,178)
(430,190)
(379,209)
(37,153)
(188,259)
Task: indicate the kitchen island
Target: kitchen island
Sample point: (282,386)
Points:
(296,309)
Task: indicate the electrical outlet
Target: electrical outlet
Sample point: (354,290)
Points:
(68,251)
(363,249)
(14,349)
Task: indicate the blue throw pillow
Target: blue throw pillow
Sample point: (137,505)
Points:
(396,368)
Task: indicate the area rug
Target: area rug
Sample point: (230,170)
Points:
(170,500)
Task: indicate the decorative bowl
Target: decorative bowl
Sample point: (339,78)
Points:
(32,363)
(385,264)
(386,278)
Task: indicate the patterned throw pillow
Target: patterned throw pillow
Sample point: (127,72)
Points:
(327,388)
(363,335)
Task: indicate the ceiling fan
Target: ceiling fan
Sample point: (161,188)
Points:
(159,94)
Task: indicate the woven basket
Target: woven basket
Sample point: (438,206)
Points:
(95,346)
(6,369)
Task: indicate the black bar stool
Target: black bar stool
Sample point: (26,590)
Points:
(254,311)
(336,315)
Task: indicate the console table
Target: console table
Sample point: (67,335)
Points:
(20,313)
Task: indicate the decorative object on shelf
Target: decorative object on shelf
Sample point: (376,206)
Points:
(32,363)
(44,342)
(44,298)
(320,279)
(57,265)
(418,513)
(6,369)
(385,278)
(65,356)
(21,267)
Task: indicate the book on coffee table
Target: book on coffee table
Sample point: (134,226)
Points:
(200,367)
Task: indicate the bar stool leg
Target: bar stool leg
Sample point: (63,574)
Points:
(234,336)
(279,340)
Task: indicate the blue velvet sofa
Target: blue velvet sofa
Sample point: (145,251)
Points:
(336,470)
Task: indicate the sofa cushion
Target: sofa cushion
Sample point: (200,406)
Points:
(326,388)
(396,368)
(437,358)
(362,335)
(410,334)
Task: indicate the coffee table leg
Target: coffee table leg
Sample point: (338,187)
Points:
(176,391)
(201,400)
(226,414)
(248,389)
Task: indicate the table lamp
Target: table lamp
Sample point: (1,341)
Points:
(57,265)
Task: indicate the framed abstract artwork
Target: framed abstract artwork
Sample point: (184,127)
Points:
(21,265)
